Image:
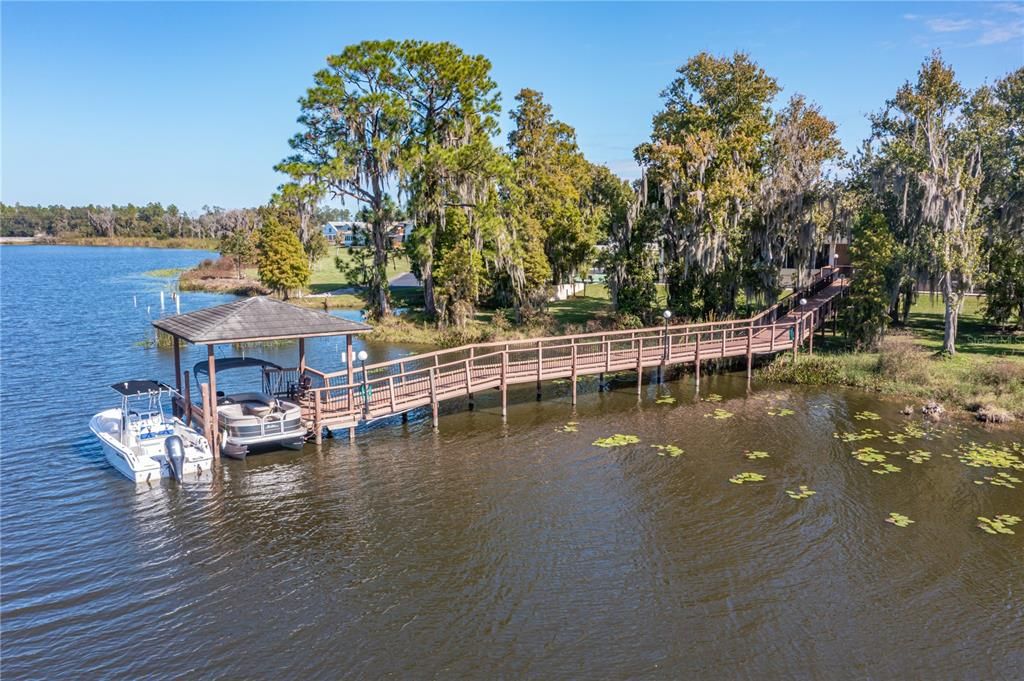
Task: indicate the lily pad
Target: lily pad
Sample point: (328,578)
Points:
(755,455)
(1003,479)
(886,468)
(999,525)
(866,416)
(784,411)
(712,397)
(899,520)
(720,414)
(741,478)
(668,450)
(801,492)
(617,440)
(570,427)
(918,456)
(665,399)
(990,456)
(868,455)
(866,434)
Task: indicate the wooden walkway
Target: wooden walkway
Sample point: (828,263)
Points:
(348,398)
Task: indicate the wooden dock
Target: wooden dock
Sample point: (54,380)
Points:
(354,396)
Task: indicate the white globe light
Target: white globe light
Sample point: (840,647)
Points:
(803,301)
(666,314)
(361,355)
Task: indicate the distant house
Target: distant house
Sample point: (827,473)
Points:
(346,232)
(352,233)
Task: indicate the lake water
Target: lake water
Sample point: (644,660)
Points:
(485,550)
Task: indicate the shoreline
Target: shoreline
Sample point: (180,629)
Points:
(183,243)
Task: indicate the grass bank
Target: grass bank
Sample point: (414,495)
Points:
(985,377)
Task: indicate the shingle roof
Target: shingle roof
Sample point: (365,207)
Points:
(256,318)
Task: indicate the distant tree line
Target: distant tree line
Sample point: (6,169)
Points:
(152,220)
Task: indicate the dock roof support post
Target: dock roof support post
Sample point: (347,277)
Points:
(186,414)
(302,356)
(433,399)
(212,367)
(177,373)
(810,336)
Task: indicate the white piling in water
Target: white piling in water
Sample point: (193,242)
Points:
(135,301)
(177,304)
(161,301)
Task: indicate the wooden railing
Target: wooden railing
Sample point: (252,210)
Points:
(396,386)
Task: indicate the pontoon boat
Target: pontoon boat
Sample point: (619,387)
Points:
(255,420)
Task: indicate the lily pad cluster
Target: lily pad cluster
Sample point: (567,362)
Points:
(755,454)
(1001,524)
(886,468)
(1000,479)
(992,456)
(617,440)
(570,427)
(665,399)
(899,520)
(802,492)
(712,397)
(719,414)
(866,434)
(668,450)
(784,411)
(868,455)
(866,416)
(741,478)
(918,456)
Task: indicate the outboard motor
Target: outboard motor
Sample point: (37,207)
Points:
(174,448)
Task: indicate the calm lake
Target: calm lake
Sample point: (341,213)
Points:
(484,550)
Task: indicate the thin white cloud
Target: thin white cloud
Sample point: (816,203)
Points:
(1002,34)
(998,25)
(942,25)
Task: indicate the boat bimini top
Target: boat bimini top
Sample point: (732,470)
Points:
(225,363)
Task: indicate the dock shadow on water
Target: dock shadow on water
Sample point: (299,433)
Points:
(503,550)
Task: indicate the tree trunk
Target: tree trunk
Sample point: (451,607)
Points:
(429,302)
(380,306)
(954,301)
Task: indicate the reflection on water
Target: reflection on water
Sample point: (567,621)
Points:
(486,549)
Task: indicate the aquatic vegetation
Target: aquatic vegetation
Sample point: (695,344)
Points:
(755,455)
(899,520)
(913,431)
(617,440)
(712,397)
(570,427)
(868,455)
(866,434)
(886,468)
(741,478)
(801,492)
(898,438)
(665,399)
(668,450)
(1001,479)
(994,456)
(720,414)
(999,525)
(784,411)
(918,456)
(866,416)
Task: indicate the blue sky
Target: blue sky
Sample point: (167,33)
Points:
(193,103)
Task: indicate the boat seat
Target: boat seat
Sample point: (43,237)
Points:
(260,409)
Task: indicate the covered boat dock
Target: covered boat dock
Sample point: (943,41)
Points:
(251,320)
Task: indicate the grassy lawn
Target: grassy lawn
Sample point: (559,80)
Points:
(326,276)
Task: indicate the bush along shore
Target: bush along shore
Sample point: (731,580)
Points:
(990,386)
